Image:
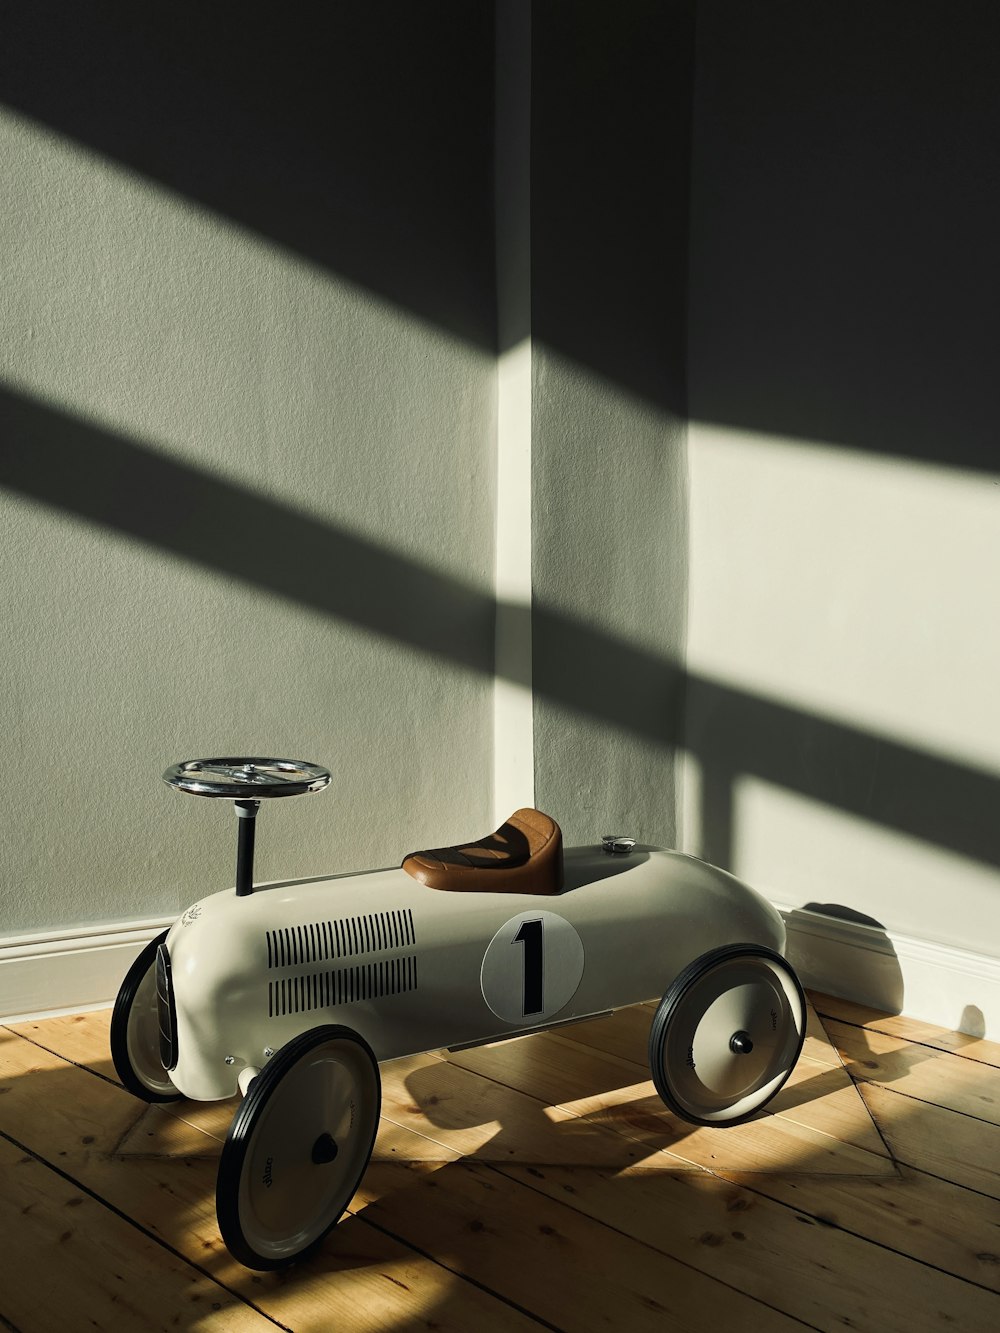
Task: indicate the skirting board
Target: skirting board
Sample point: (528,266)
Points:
(62,972)
(935,983)
(69,971)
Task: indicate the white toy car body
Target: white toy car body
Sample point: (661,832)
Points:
(412,969)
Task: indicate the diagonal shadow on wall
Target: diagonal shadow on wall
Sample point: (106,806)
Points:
(364,142)
(106,479)
(103,478)
(359,136)
(845,203)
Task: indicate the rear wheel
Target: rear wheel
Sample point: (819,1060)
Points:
(298,1147)
(727,1035)
(135,1031)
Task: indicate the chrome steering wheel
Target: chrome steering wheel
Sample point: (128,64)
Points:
(247,779)
(247,782)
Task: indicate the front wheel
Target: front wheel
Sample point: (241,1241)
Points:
(298,1147)
(135,1031)
(727,1035)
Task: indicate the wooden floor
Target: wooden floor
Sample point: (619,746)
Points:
(538,1183)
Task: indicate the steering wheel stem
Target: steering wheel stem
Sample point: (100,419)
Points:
(247,782)
(245,830)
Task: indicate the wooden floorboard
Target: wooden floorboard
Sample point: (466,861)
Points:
(921,1072)
(82,1265)
(937,1140)
(537,1183)
(910,1029)
(366,1281)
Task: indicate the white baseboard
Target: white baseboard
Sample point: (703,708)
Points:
(68,971)
(73,970)
(935,983)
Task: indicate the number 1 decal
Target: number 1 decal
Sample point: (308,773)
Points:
(530,936)
(532,967)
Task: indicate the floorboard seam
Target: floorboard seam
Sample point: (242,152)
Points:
(65,1058)
(909,1041)
(924,1101)
(145,1231)
(872,1117)
(822,1221)
(637,1240)
(464,1277)
(911,1167)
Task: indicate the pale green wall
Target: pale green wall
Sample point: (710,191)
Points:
(609,206)
(250,278)
(259,383)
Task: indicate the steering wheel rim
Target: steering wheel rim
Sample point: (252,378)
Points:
(247,778)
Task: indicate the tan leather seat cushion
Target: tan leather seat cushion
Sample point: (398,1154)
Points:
(524,855)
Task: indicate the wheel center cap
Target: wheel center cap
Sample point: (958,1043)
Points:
(324,1150)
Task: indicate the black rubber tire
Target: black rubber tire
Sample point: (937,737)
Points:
(276,1127)
(669,1045)
(124,1016)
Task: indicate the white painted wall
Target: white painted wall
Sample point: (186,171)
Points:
(513,701)
(328,595)
(843,719)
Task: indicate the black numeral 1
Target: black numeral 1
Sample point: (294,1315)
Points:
(530,935)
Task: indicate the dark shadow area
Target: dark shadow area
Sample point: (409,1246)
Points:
(848,914)
(358,135)
(973,1021)
(601,676)
(846,205)
(610,153)
(102,478)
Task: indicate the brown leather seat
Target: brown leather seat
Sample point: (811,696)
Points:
(524,855)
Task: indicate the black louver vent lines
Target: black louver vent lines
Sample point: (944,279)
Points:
(351,937)
(345,985)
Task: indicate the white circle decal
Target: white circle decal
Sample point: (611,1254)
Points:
(532,967)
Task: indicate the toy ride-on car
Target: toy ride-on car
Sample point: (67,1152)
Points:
(291,994)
